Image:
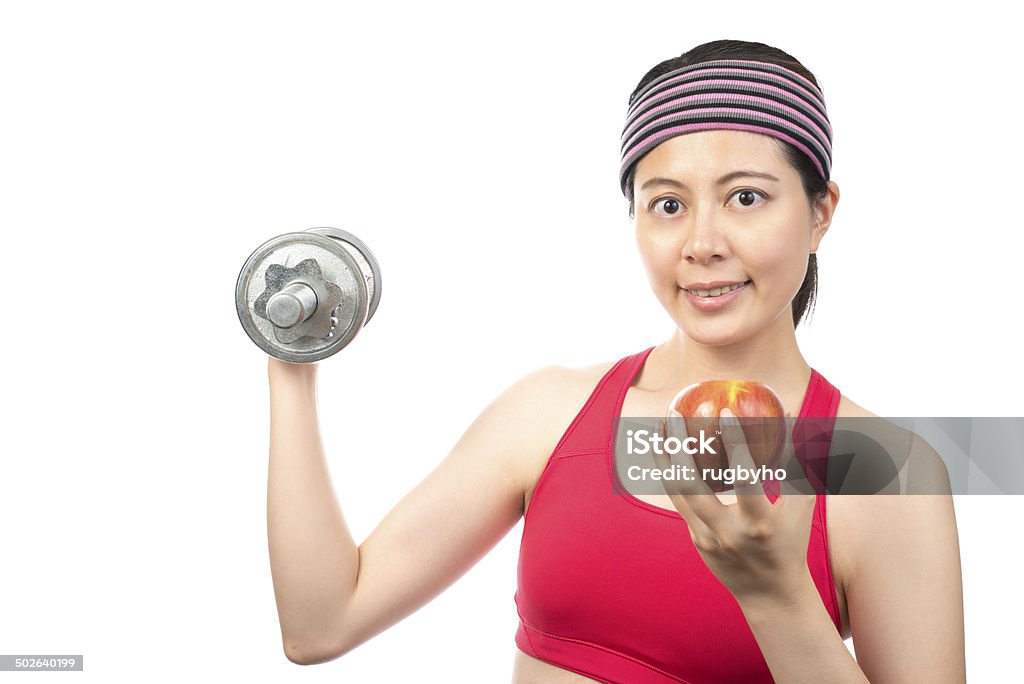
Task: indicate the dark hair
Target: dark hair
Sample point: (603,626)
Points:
(814,185)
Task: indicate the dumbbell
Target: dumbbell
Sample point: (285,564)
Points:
(305,295)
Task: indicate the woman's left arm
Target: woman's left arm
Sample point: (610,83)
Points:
(904,594)
(904,591)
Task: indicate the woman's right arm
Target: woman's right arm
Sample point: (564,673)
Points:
(313,558)
(333,595)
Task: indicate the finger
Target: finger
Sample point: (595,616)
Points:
(696,524)
(692,493)
(798,486)
(799,504)
(750,497)
(675,435)
(789,447)
(801,474)
(675,488)
(662,461)
(783,459)
(780,458)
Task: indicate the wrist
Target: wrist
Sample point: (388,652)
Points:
(789,597)
(279,371)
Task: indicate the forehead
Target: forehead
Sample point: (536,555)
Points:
(707,154)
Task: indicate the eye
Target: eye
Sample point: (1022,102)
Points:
(672,206)
(747,197)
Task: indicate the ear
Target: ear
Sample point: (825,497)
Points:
(823,211)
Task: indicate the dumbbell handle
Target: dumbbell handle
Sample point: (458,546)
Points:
(293,304)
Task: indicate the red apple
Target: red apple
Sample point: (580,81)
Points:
(758,408)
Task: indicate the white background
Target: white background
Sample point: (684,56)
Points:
(147,148)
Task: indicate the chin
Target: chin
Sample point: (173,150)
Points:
(715,340)
(711,335)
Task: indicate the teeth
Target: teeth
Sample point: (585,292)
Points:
(717,291)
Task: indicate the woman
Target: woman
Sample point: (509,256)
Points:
(726,167)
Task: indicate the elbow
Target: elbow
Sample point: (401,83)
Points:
(321,641)
(295,654)
(306,653)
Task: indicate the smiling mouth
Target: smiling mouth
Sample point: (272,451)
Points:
(718,291)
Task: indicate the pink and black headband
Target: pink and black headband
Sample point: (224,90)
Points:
(732,94)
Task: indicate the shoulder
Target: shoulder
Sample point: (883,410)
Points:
(548,395)
(545,401)
(534,412)
(555,384)
(529,411)
(872,535)
(857,522)
(848,409)
(922,470)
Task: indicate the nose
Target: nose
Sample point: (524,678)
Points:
(704,240)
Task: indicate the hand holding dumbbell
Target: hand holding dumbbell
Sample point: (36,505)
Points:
(304,296)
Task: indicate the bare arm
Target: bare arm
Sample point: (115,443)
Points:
(313,558)
(905,597)
(799,641)
(906,593)
(332,595)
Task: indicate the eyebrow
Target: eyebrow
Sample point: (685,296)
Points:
(745,173)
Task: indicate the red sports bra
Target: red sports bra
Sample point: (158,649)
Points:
(611,587)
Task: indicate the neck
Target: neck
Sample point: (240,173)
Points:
(772,358)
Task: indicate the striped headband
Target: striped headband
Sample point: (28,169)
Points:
(728,94)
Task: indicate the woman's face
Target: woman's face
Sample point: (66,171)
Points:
(721,209)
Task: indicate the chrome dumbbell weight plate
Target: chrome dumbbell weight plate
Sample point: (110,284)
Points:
(368,265)
(303,296)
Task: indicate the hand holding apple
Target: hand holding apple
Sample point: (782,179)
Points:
(756,547)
